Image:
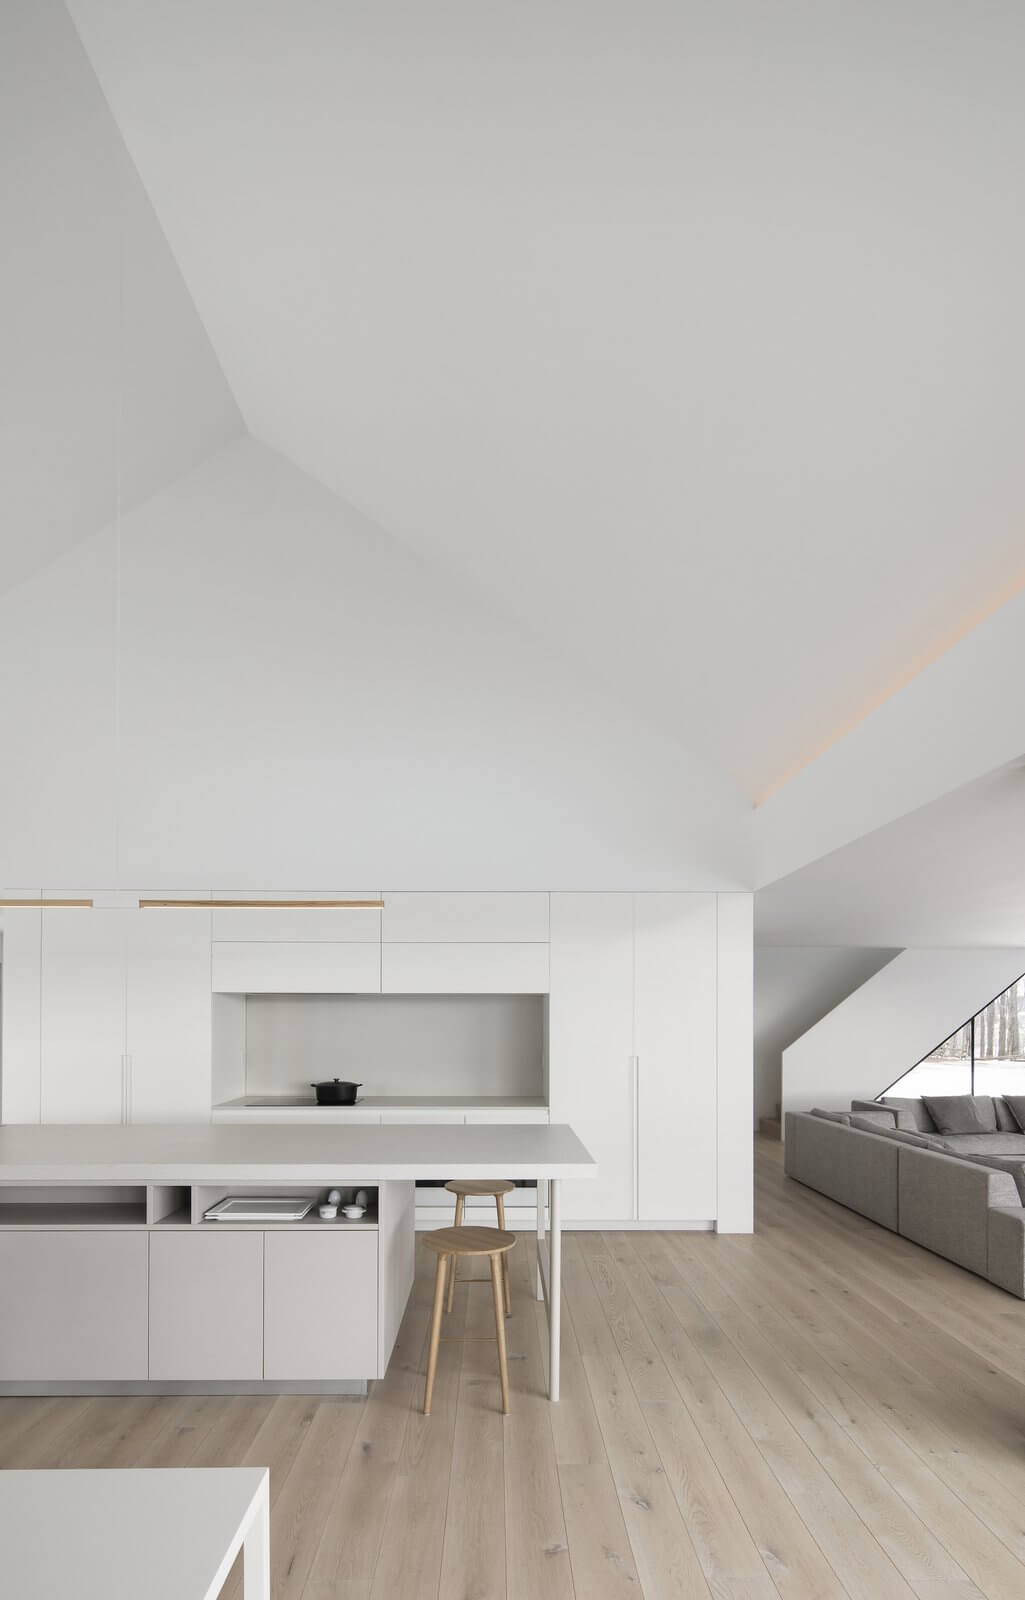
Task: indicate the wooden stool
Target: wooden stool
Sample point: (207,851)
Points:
(499,1187)
(451,1243)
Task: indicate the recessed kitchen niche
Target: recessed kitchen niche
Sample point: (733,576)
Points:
(418,1045)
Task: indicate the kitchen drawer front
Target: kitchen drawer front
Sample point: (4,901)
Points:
(464,969)
(206,1305)
(240,967)
(73,1306)
(300,924)
(465,918)
(320,1305)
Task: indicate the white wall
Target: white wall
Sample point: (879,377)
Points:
(109,382)
(891,1022)
(795,985)
(951,724)
(299,704)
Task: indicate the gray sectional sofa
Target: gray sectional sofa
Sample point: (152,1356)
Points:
(961,1195)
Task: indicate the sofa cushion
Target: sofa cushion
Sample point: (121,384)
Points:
(899,1118)
(831,1116)
(917,1110)
(962,1113)
(924,1141)
(1015,1103)
(1006,1121)
(984,1144)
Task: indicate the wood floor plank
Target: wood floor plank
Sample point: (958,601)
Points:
(536,1543)
(663,1550)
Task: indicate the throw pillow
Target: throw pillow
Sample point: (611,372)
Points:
(962,1113)
(916,1109)
(873,1121)
(1005,1116)
(873,1109)
(1016,1105)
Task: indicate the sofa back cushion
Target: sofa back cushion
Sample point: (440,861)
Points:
(916,1110)
(1006,1122)
(830,1116)
(1015,1103)
(881,1121)
(962,1113)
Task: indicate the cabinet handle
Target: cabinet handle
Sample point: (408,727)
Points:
(636,1064)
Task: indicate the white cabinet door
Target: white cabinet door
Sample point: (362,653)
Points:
(82,1016)
(268,968)
(168,1015)
(73,1305)
(320,1305)
(591,1046)
(205,1305)
(674,1042)
(464,969)
(21,933)
(299,924)
(465,918)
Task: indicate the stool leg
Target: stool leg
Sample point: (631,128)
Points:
(452,1274)
(500,1203)
(432,1354)
(503,1370)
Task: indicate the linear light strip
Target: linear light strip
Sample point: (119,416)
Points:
(35,905)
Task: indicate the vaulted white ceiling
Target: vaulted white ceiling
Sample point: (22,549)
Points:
(109,385)
(688,332)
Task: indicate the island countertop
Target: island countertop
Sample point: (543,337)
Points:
(201,1152)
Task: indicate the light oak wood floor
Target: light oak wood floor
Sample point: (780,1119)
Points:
(819,1411)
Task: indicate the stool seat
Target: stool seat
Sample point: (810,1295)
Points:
(479,1186)
(469,1241)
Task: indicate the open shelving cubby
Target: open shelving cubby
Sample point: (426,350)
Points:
(73,1206)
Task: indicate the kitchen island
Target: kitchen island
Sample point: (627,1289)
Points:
(114,1281)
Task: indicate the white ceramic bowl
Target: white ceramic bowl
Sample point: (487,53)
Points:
(328,1212)
(354,1211)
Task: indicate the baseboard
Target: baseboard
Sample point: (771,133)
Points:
(357,1386)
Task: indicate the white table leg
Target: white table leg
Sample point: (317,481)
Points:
(554,1287)
(256,1552)
(540,1231)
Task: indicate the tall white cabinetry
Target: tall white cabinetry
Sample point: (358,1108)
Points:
(590,1042)
(124,1030)
(633,1050)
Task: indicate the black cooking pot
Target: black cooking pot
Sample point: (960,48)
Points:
(336,1092)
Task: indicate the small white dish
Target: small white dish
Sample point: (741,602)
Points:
(328,1213)
(354,1212)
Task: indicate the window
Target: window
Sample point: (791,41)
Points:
(986,1055)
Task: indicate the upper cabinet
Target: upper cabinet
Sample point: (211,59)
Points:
(260,967)
(465,919)
(287,924)
(486,968)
